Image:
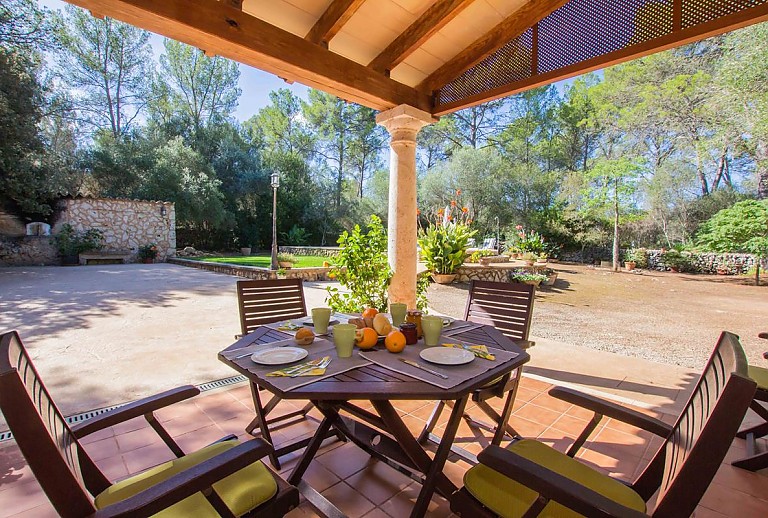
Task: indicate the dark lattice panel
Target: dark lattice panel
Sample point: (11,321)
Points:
(582,30)
(509,64)
(700,11)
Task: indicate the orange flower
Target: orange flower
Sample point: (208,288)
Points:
(453,203)
(440,212)
(458,192)
(418,212)
(469,222)
(464,210)
(450,218)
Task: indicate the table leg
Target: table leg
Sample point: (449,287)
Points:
(309,453)
(432,468)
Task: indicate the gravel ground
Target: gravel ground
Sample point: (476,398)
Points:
(665,317)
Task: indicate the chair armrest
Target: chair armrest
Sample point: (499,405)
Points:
(188,482)
(552,485)
(612,410)
(134,409)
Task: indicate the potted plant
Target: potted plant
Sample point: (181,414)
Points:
(286,260)
(676,260)
(527,277)
(551,276)
(529,258)
(635,258)
(72,243)
(444,244)
(148,253)
(245,250)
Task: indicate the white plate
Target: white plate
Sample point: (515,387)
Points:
(448,321)
(307,321)
(279,355)
(446,355)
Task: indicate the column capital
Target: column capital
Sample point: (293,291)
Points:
(404,117)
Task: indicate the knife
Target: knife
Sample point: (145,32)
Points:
(420,366)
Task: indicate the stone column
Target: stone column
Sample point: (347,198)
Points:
(403,123)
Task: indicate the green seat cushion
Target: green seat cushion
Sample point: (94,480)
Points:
(509,498)
(760,375)
(242,491)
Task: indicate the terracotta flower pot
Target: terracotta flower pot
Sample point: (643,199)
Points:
(443,278)
(630,265)
(286,265)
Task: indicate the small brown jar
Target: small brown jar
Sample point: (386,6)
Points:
(409,331)
(414,317)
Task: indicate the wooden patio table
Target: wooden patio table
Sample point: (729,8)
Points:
(397,446)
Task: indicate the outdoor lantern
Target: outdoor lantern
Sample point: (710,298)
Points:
(275,180)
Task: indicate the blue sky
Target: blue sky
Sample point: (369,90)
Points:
(254,83)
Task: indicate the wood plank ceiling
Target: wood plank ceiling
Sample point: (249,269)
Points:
(436,55)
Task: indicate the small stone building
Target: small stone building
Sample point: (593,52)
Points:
(126,225)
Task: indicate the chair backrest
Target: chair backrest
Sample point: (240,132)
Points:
(42,434)
(704,431)
(266,301)
(506,306)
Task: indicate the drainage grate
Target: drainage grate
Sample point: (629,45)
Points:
(79,418)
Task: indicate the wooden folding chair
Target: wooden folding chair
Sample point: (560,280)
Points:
(507,307)
(265,302)
(529,478)
(755,458)
(223,479)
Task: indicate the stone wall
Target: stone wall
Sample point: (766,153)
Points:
(254,272)
(126,224)
(320,251)
(710,263)
(28,251)
(470,272)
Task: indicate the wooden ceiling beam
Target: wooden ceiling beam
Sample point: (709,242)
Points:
(512,27)
(227,31)
(332,20)
(433,19)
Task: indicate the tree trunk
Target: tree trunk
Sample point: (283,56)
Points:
(761,163)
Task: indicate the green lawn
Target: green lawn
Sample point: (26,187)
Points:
(305,261)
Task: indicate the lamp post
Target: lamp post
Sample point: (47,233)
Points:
(275,182)
(498,236)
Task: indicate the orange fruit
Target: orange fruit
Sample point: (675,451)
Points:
(395,342)
(370,312)
(366,338)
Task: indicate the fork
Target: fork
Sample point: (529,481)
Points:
(321,365)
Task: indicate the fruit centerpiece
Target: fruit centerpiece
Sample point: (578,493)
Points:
(372,326)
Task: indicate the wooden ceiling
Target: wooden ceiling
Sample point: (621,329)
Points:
(436,55)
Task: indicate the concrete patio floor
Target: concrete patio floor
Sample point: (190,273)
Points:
(109,334)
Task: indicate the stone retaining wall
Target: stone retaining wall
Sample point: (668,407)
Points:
(255,272)
(470,272)
(710,263)
(320,251)
(28,251)
(126,224)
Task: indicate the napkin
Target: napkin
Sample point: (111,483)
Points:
(480,351)
(309,368)
(288,326)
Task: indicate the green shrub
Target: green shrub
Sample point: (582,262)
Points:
(444,246)
(285,257)
(476,255)
(638,255)
(680,261)
(71,242)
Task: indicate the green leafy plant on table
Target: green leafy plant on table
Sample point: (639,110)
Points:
(361,267)
(444,243)
(71,242)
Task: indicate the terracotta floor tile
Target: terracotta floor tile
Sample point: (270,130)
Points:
(197,439)
(130,425)
(42,511)
(136,439)
(377,513)
(524,393)
(750,482)
(615,443)
(537,385)
(187,423)
(97,436)
(227,411)
(21,498)
(320,478)
(13,467)
(537,414)
(344,461)
(569,425)
(623,468)
(581,413)
(401,504)
(527,428)
(731,502)
(147,457)
(411,406)
(703,512)
(180,409)
(348,500)
(378,482)
(114,468)
(552,403)
(102,449)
